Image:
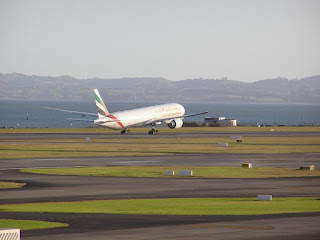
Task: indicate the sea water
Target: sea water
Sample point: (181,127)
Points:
(31,114)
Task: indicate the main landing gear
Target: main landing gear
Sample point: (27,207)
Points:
(125,131)
(153,131)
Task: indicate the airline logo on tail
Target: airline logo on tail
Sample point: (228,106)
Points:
(102,109)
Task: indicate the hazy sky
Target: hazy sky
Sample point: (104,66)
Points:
(174,39)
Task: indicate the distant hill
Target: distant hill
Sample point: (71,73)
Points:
(65,88)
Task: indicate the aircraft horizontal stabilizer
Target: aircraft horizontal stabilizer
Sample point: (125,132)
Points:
(75,112)
(80,119)
(103,120)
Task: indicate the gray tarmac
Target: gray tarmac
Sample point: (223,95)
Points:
(44,188)
(137,135)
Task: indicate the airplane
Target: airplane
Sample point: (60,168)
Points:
(170,113)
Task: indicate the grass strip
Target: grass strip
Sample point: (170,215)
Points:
(6,185)
(175,206)
(152,146)
(29,224)
(198,172)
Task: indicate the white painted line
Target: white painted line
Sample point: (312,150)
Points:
(52,159)
(136,161)
(77,166)
(4,169)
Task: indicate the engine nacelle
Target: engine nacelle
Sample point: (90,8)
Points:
(175,123)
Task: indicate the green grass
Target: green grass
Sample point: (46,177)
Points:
(5,185)
(175,206)
(29,224)
(198,172)
(155,145)
(61,150)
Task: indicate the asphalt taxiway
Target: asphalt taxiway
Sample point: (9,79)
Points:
(46,188)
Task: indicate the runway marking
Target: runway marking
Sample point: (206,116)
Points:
(135,161)
(77,166)
(4,169)
(266,227)
(52,159)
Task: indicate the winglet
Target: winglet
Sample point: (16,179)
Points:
(102,109)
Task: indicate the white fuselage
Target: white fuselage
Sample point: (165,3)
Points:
(141,116)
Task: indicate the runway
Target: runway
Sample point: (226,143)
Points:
(138,135)
(100,226)
(46,188)
(216,159)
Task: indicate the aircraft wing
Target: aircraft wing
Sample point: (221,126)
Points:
(75,112)
(156,120)
(194,114)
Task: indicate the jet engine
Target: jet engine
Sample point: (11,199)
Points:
(175,123)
